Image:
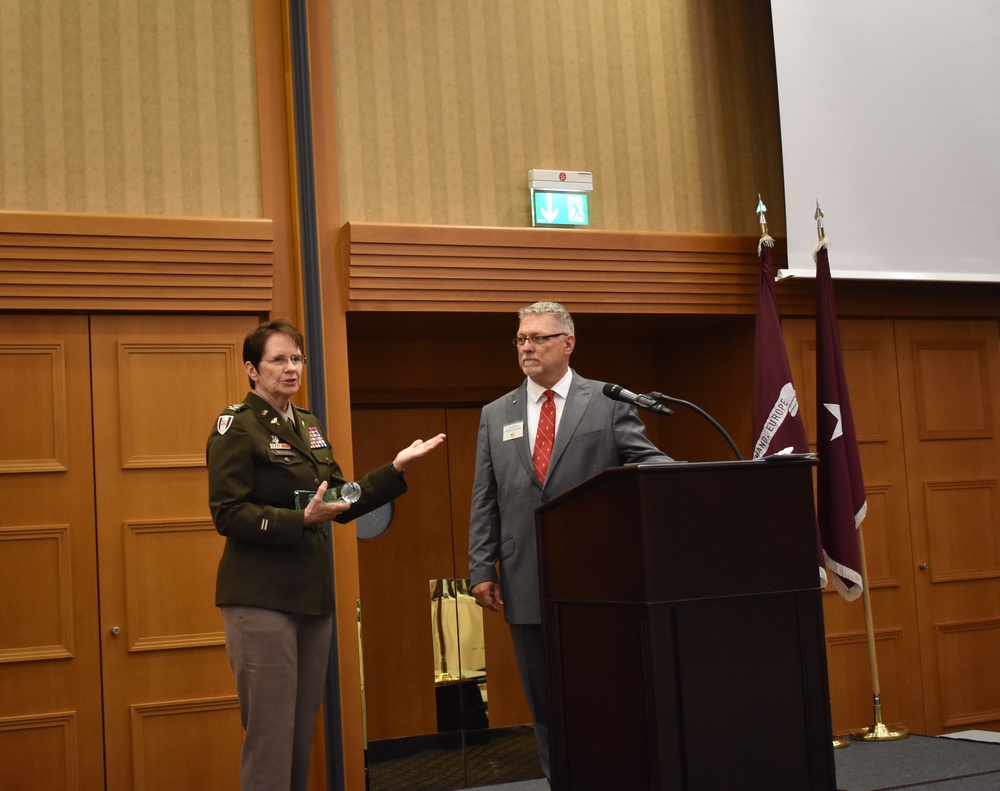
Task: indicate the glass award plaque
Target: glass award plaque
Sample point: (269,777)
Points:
(350,492)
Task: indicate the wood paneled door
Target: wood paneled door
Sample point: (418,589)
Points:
(170,710)
(113,672)
(922,394)
(50,674)
(949,376)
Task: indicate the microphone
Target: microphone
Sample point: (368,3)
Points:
(619,393)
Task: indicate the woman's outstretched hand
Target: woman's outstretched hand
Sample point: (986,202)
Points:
(416,449)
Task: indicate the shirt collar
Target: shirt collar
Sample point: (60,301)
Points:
(561,388)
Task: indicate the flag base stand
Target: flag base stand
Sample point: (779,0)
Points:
(840,743)
(879,732)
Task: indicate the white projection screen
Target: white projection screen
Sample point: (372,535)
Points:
(890,118)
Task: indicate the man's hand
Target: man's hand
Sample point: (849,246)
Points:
(488,595)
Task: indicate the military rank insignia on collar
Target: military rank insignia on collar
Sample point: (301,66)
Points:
(316,439)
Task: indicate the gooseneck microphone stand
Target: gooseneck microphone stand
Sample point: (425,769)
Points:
(660,397)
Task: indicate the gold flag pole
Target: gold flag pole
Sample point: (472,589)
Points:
(838,742)
(878,731)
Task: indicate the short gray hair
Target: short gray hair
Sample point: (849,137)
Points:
(551,309)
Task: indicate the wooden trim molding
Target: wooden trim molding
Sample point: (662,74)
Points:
(396,267)
(389,267)
(135,263)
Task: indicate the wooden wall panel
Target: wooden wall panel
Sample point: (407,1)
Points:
(163,731)
(52,261)
(37,593)
(40,752)
(42,444)
(429,268)
(160,614)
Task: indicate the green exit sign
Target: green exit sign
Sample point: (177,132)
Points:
(566,209)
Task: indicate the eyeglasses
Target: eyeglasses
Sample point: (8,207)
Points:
(537,340)
(281,361)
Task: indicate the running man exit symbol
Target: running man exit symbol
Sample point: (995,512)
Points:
(561,208)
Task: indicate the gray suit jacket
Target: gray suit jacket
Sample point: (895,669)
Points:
(594,433)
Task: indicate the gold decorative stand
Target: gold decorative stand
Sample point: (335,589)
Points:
(878,732)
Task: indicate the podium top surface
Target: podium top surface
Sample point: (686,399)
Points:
(672,531)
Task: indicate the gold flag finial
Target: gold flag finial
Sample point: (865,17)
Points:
(818,216)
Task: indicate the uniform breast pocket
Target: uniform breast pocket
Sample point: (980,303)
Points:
(323,456)
(283,458)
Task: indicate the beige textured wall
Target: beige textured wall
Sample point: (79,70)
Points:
(444,105)
(129,106)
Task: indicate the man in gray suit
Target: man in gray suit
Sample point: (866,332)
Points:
(592,433)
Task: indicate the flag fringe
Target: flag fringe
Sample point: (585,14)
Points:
(841,573)
(765,241)
(823,244)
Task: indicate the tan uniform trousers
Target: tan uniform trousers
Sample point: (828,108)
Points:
(280,662)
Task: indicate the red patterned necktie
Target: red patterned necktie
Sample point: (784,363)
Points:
(545,437)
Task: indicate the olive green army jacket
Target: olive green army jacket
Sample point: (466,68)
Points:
(256,461)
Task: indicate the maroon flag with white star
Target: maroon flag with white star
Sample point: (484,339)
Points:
(841,501)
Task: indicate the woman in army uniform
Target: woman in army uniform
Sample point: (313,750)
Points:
(275,581)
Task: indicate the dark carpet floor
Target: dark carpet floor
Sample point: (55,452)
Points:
(508,761)
(439,763)
(923,763)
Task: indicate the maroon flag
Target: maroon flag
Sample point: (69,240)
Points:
(841,499)
(777,422)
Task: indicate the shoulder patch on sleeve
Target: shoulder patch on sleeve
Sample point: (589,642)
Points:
(226,418)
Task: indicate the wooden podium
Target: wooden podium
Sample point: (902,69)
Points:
(684,627)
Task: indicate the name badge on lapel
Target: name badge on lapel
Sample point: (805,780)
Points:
(513,430)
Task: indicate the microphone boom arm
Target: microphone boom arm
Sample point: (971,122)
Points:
(661,397)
